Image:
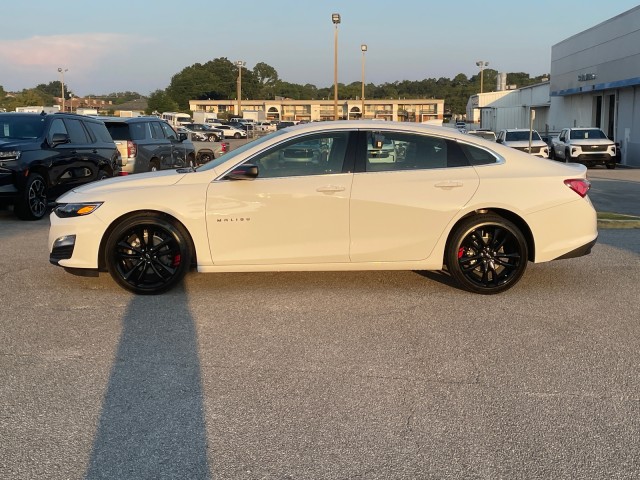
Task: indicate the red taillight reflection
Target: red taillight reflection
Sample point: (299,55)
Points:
(132,149)
(579,185)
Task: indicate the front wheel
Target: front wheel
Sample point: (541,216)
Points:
(237,135)
(32,204)
(148,254)
(486,254)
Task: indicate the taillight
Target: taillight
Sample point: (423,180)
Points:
(579,185)
(132,149)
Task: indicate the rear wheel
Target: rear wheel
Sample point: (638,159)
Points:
(32,204)
(147,254)
(487,254)
(611,166)
(154,166)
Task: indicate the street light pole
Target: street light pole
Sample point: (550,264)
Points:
(335,18)
(240,64)
(61,71)
(363,47)
(482,65)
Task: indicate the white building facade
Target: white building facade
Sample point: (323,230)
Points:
(595,81)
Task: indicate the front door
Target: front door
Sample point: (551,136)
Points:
(295,212)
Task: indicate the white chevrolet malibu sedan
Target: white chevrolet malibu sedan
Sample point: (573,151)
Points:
(442,200)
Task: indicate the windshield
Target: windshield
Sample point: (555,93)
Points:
(587,133)
(228,156)
(522,135)
(21,127)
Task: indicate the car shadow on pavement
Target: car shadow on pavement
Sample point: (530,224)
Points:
(152,423)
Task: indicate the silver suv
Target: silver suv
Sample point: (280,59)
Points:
(148,144)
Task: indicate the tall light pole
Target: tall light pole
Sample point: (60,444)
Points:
(482,65)
(335,18)
(363,47)
(61,71)
(240,64)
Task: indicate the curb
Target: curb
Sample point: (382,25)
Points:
(621,221)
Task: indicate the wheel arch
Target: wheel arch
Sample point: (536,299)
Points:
(514,218)
(102,264)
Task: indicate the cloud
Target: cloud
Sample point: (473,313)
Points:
(85,50)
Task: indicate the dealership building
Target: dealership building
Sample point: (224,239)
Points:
(595,82)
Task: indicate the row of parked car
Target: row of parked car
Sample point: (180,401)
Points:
(587,145)
(43,156)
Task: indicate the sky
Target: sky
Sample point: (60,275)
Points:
(138,45)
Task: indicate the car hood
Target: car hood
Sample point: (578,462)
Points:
(11,143)
(129,182)
(592,141)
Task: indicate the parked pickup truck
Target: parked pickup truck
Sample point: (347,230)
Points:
(589,146)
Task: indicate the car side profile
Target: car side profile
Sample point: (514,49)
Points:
(44,155)
(148,144)
(477,210)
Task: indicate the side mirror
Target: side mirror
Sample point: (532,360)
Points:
(246,171)
(59,139)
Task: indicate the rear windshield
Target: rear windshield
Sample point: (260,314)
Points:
(21,127)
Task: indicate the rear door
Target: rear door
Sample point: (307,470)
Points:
(72,163)
(402,203)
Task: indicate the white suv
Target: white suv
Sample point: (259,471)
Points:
(518,138)
(589,146)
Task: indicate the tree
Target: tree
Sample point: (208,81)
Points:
(159,101)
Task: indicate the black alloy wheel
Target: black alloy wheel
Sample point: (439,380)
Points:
(147,254)
(33,203)
(153,166)
(102,175)
(487,254)
(204,157)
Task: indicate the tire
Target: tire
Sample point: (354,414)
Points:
(147,254)
(32,204)
(611,166)
(154,166)
(486,254)
(567,156)
(102,175)
(237,136)
(552,154)
(204,157)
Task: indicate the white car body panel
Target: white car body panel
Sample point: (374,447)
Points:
(343,221)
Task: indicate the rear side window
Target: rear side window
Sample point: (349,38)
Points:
(119,131)
(99,132)
(478,156)
(137,130)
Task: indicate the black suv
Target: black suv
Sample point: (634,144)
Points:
(149,143)
(43,156)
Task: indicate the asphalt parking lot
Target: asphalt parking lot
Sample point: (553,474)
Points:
(335,375)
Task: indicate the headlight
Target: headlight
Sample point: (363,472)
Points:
(10,155)
(66,210)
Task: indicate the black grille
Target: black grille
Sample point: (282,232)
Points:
(61,253)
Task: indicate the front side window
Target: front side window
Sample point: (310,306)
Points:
(316,154)
(169,132)
(57,126)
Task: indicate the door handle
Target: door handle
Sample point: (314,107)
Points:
(448,185)
(330,189)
